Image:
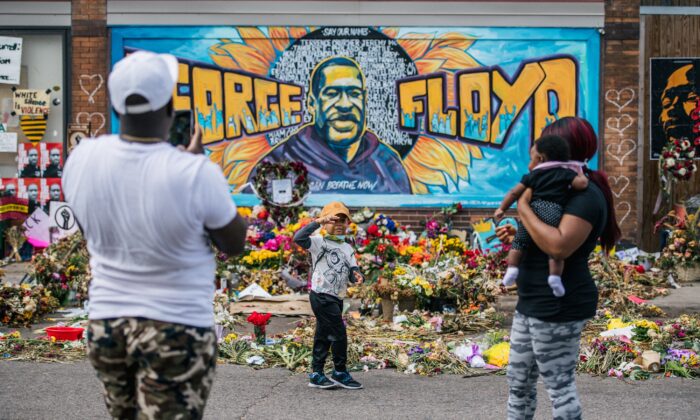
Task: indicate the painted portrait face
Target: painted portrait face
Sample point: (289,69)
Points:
(55,156)
(33,156)
(33,192)
(678,100)
(55,192)
(10,190)
(339,104)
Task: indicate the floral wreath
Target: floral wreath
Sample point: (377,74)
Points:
(262,186)
(677,158)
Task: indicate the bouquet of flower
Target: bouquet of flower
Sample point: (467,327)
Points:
(22,305)
(677,158)
(259,322)
(362,216)
(683,247)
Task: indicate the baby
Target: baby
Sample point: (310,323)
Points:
(551,177)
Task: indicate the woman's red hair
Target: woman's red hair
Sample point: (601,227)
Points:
(583,143)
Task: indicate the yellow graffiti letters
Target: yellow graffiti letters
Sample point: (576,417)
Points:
(228,104)
(488,102)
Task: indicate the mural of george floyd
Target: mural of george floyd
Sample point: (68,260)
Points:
(381,116)
(675,104)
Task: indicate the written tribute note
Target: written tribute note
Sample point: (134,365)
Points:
(10,59)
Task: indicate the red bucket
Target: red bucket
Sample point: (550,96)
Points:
(65,333)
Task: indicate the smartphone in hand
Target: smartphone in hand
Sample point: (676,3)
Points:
(182,128)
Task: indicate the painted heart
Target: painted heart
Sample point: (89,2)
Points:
(95,121)
(620,98)
(627,210)
(619,124)
(616,150)
(615,180)
(89,86)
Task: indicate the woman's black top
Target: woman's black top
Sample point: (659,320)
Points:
(535,297)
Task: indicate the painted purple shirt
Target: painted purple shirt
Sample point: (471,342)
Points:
(376,168)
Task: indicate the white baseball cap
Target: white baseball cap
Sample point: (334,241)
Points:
(144,73)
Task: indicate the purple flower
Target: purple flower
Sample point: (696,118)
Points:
(415,350)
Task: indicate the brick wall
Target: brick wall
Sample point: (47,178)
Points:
(89,65)
(619,125)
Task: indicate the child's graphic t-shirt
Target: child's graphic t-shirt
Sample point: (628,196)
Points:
(332,261)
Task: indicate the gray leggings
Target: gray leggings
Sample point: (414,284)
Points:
(549,349)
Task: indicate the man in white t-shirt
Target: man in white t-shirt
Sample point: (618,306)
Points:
(148,210)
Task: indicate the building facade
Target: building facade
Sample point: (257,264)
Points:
(448,96)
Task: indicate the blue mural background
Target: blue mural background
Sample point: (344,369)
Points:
(490,177)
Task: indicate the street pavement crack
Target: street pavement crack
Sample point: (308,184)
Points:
(264,397)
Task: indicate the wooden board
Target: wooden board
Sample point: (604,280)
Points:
(664,36)
(285,305)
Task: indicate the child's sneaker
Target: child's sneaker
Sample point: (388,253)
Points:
(345,380)
(319,380)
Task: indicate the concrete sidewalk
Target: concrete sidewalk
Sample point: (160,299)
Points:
(71,391)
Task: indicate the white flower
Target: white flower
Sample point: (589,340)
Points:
(685,144)
(670,162)
(691,154)
(682,172)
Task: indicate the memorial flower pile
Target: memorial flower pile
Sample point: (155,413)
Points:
(23,305)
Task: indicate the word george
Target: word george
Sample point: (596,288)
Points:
(228,104)
(550,84)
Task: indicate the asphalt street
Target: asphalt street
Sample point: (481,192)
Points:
(71,391)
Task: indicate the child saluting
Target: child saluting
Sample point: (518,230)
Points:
(333,266)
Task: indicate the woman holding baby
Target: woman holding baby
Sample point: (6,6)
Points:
(547,329)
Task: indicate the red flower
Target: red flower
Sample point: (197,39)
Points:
(374,231)
(381,248)
(263,214)
(640,269)
(259,320)
(300,179)
(459,206)
(394,239)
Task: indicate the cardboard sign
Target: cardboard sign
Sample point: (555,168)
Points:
(8,141)
(10,59)
(61,217)
(31,102)
(282,191)
(37,228)
(13,208)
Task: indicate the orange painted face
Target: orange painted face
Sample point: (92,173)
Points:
(678,100)
(339,109)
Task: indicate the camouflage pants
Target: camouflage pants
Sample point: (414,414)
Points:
(549,350)
(151,369)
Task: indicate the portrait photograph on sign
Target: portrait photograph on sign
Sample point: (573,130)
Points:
(51,190)
(391,116)
(28,165)
(675,104)
(8,187)
(31,190)
(51,160)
